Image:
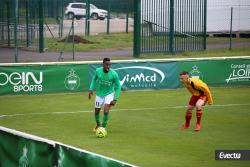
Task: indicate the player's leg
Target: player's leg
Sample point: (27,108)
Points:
(97,116)
(199,104)
(98,104)
(106,115)
(107,106)
(188,115)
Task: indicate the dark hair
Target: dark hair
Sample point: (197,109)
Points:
(105,59)
(184,73)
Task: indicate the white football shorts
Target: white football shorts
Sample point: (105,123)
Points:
(99,101)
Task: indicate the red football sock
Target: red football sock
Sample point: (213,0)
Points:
(188,117)
(198,116)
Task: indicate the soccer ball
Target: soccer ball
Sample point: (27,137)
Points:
(101,132)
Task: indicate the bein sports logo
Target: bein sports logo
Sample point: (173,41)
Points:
(147,78)
(22,81)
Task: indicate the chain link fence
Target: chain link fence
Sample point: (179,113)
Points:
(22,17)
(30,24)
(22,20)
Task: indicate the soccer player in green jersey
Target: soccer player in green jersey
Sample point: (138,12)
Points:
(107,85)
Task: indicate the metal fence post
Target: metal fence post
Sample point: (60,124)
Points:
(87,19)
(205,26)
(127,15)
(8,21)
(171,31)
(16,31)
(1,25)
(231,27)
(73,37)
(137,28)
(108,19)
(60,18)
(41,29)
(27,23)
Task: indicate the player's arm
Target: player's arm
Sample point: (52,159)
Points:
(207,93)
(92,85)
(209,96)
(117,89)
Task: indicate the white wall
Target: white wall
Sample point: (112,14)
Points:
(219,15)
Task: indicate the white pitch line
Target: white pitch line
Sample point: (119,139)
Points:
(124,109)
(216,105)
(43,113)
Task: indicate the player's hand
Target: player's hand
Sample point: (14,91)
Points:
(90,94)
(112,103)
(210,103)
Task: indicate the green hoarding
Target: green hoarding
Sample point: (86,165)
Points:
(18,149)
(74,158)
(43,79)
(219,72)
(35,79)
(144,75)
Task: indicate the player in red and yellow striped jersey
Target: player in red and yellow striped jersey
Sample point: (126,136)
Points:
(200,96)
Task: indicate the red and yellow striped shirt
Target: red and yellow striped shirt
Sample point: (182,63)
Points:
(197,87)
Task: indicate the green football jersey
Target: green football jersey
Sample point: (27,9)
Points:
(106,83)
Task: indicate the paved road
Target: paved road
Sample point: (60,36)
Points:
(7,54)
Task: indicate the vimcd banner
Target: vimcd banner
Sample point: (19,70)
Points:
(43,79)
(144,75)
(219,72)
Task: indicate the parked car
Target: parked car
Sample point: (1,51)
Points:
(78,10)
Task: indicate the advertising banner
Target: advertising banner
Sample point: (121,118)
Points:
(18,149)
(43,79)
(72,157)
(144,75)
(35,79)
(219,72)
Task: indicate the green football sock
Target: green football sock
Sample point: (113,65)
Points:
(105,119)
(97,118)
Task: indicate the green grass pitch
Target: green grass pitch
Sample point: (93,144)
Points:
(144,127)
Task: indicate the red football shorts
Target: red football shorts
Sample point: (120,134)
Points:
(193,100)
